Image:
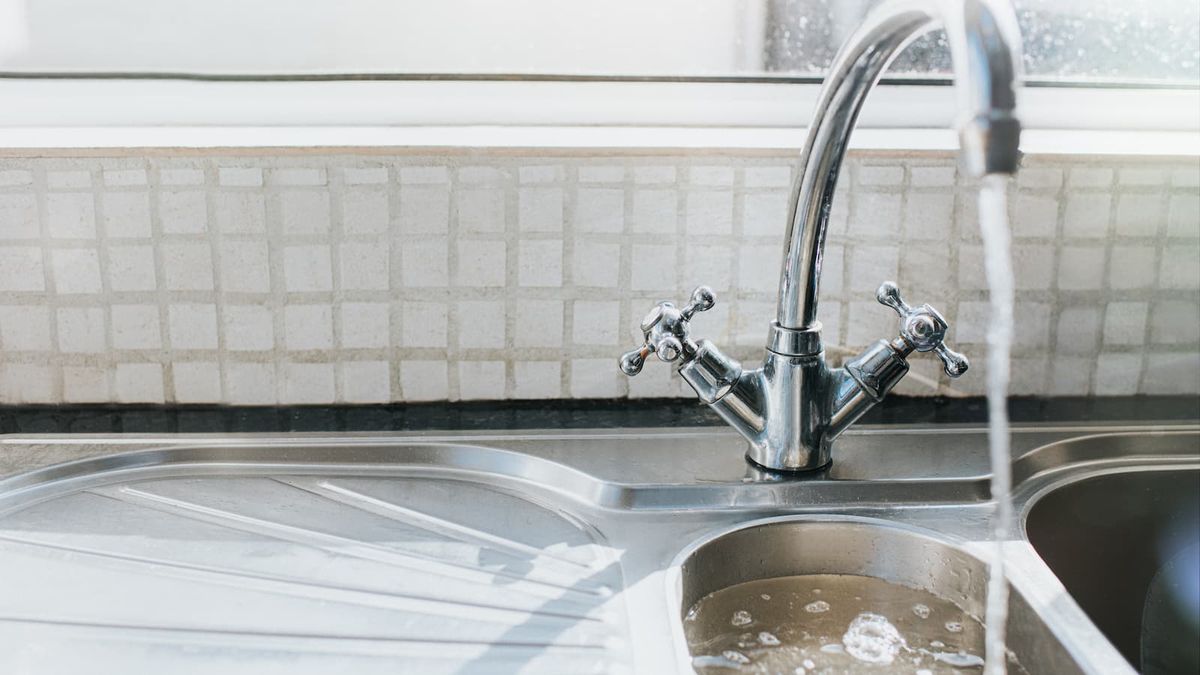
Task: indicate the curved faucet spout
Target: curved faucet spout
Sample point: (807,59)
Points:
(985,48)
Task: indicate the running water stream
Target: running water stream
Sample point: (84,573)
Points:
(993,221)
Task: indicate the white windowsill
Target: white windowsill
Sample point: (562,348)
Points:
(113,114)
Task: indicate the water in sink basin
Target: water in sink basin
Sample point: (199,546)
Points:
(831,623)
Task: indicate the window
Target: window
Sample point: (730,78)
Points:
(1074,41)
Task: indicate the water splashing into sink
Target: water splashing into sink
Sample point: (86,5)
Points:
(993,220)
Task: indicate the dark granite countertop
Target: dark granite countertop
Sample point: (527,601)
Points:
(554,414)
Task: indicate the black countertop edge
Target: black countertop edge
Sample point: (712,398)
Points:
(554,414)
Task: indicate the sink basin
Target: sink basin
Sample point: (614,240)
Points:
(908,557)
(1125,545)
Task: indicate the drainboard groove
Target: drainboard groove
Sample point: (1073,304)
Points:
(338,545)
(428,522)
(291,586)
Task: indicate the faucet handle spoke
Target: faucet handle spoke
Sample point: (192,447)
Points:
(665,332)
(922,329)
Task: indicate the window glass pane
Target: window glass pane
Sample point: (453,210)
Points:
(1076,40)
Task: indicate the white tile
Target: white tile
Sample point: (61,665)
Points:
(711,175)
(480,209)
(1179,269)
(1183,217)
(1033,331)
(308,383)
(929,215)
(481,324)
(1172,374)
(297,176)
(654,382)
(247,328)
(481,263)
(126,214)
(1133,267)
(596,264)
(424,380)
(599,210)
(481,380)
(758,267)
(1118,374)
(870,266)
(540,174)
(875,215)
(424,209)
(596,378)
(68,179)
(191,326)
(365,325)
(653,174)
(21,269)
(880,175)
(71,215)
(1091,177)
(1070,376)
(130,268)
(1125,323)
(250,383)
(1033,266)
(366,381)
(870,321)
(654,211)
(1142,177)
(182,212)
(245,266)
(139,383)
(307,268)
(375,175)
(365,267)
(1186,177)
(1081,268)
(1035,215)
(540,209)
(767,176)
(425,263)
(76,270)
(241,212)
(197,381)
(708,212)
(365,211)
(81,329)
(85,384)
(25,328)
(181,176)
(537,379)
(1078,330)
(539,323)
(423,324)
(1139,215)
(136,327)
(540,263)
(412,175)
(19,216)
(1042,178)
(15,177)
(240,177)
(187,266)
(487,175)
(710,265)
(971,321)
(932,176)
(26,383)
(1174,322)
(653,267)
(601,174)
(304,211)
(1087,215)
(753,320)
(765,214)
(596,322)
(124,177)
(308,327)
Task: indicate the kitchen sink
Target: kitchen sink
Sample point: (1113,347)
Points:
(1127,547)
(542,552)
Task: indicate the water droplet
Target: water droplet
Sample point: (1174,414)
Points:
(734,656)
(765,596)
(871,638)
(937,644)
(768,639)
(741,618)
(921,611)
(833,648)
(954,626)
(808,663)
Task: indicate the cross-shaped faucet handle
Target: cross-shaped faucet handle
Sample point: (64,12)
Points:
(922,328)
(665,332)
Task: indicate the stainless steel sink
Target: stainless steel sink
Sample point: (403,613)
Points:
(478,553)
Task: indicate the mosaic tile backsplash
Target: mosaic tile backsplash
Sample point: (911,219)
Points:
(318,278)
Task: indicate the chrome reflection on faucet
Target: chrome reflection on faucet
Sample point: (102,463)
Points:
(794,405)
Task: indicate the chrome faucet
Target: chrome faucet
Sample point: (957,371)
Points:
(792,407)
